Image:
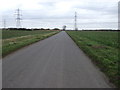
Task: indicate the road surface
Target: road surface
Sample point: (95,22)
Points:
(55,62)
(0,73)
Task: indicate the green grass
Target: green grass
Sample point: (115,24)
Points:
(102,47)
(12,42)
(17,33)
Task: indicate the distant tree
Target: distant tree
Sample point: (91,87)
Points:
(64,28)
(56,29)
(42,29)
(48,29)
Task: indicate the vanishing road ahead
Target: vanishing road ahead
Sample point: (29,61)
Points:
(55,62)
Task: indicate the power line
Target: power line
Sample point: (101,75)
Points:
(18,18)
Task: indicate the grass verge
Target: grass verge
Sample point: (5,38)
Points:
(102,48)
(12,44)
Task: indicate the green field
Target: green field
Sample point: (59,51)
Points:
(102,47)
(13,40)
(16,33)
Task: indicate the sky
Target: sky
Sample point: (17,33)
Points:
(91,14)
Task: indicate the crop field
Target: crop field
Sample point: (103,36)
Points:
(13,40)
(102,47)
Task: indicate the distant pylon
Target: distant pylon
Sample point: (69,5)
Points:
(4,23)
(18,18)
(76,21)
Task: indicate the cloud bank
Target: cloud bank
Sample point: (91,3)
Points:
(92,14)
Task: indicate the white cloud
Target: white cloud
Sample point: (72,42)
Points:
(89,11)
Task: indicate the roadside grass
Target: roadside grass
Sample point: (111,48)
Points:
(18,33)
(102,47)
(11,44)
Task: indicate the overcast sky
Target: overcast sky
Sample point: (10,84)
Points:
(92,14)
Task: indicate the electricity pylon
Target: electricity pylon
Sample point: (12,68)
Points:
(18,18)
(76,21)
(4,23)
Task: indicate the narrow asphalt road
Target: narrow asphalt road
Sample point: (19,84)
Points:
(55,62)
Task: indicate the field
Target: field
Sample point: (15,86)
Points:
(16,33)
(13,40)
(102,47)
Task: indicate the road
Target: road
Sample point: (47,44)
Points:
(55,62)
(0,73)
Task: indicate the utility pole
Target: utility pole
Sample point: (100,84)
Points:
(18,18)
(76,21)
